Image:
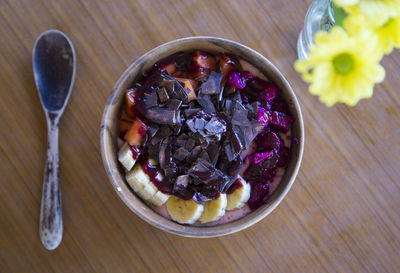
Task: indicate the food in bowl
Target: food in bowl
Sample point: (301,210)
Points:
(204,138)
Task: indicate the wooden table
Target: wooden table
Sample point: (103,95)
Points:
(342,214)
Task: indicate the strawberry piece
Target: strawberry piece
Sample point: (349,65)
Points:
(201,59)
(189,85)
(136,134)
(131,96)
(124,126)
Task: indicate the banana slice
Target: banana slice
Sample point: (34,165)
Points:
(159,198)
(137,178)
(240,194)
(144,187)
(214,209)
(184,211)
(125,156)
(148,191)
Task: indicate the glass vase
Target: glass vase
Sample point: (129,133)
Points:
(319,16)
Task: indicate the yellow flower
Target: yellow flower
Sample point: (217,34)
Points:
(377,11)
(342,68)
(388,34)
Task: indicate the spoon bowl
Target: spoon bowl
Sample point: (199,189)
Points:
(54,71)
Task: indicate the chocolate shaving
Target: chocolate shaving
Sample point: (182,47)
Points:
(165,155)
(215,126)
(213,152)
(236,142)
(150,99)
(229,152)
(163,116)
(228,106)
(180,93)
(239,114)
(191,112)
(173,104)
(169,85)
(152,129)
(212,85)
(205,172)
(206,103)
(199,123)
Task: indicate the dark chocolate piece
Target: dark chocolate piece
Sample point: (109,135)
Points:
(207,174)
(204,155)
(183,180)
(181,154)
(180,93)
(239,114)
(229,152)
(215,126)
(236,142)
(163,116)
(229,90)
(183,136)
(190,124)
(163,132)
(213,152)
(162,95)
(235,167)
(177,128)
(181,142)
(199,123)
(169,85)
(194,154)
(183,192)
(152,129)
(228,106)
(206,103)
(212,85)
(190,143)
(191,112)
(165,155)
(150,99)
(173,104)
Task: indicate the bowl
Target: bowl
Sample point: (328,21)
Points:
(113,110)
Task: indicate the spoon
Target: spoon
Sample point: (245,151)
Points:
(54,71)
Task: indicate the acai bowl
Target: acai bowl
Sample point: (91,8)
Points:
(202,137)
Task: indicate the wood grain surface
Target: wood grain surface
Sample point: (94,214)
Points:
(342,214)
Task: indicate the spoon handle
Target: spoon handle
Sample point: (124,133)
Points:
(51,223)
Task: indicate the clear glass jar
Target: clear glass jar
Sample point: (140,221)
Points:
(319,17)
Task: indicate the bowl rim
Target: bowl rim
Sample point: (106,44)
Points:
(186,230)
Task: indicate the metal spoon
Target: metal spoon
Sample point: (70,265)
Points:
(54,71)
